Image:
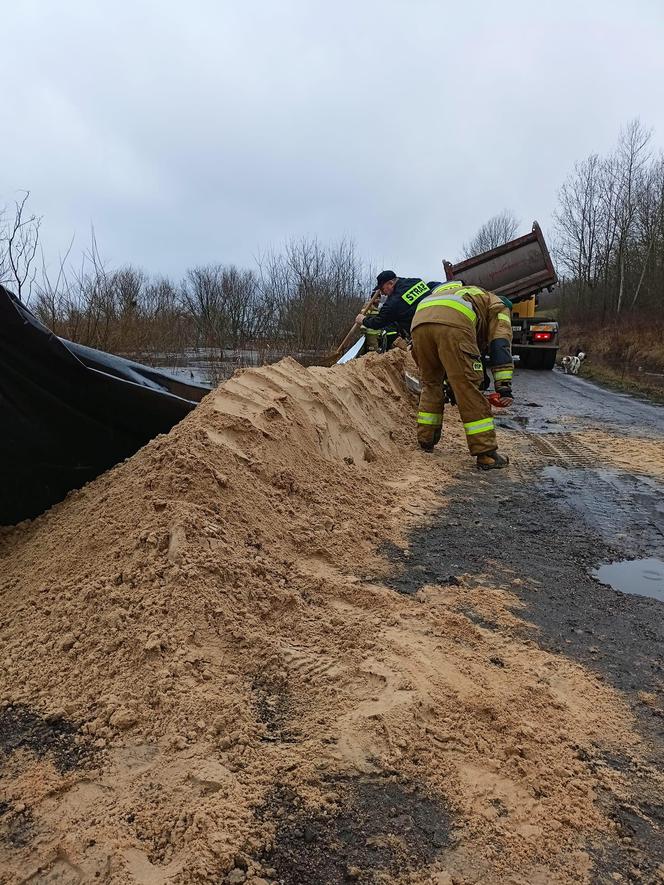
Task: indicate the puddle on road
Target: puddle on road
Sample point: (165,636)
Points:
(639,577)
(626,510)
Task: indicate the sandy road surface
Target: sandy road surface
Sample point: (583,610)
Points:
(282,645)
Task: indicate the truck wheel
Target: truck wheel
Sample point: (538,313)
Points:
(541,359)
(524,360)
(547,359)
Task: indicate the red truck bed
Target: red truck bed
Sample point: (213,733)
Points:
(518,269)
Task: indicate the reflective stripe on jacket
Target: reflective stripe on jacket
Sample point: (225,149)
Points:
(454,304)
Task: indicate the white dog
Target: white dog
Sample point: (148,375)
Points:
(572,364)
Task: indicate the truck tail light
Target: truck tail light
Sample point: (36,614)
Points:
(542,336)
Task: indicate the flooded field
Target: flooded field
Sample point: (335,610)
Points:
(209,365)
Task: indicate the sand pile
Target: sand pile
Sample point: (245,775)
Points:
(204,680)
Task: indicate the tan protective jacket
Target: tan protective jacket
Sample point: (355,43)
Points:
(456,305)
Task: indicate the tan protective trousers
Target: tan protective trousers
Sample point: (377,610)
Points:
(451,352)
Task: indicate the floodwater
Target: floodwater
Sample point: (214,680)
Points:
(639,577)
(210,366)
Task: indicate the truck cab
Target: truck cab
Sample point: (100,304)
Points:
(519,271)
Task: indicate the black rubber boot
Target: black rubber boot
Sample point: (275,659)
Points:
(429,446)
(492,461)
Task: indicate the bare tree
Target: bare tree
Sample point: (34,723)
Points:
(239,290)
(302,298)
(166,327)
(577,221)
(633,156)
(19,241)
(314,291)
(649,226)
(93,307)
(610,232)
(53,294)
(497,230)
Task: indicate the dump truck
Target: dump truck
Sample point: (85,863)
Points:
(518,270)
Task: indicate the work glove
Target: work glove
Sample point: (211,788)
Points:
(503,397)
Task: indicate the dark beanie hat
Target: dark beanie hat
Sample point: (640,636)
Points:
(384,277)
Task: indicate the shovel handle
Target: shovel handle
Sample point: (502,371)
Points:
(374,298)
(343,344)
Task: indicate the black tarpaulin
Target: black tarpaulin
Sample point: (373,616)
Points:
(68,412)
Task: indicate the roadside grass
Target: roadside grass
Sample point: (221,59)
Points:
(626,355)
(607,376)
(630,343)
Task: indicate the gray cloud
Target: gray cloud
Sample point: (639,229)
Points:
(207,131)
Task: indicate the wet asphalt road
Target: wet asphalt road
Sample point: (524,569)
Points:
(585,403)
(585,487)
(599,453)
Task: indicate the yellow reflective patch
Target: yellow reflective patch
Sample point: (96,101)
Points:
(434,418)
(415,292)
(481,426)
(445,302)
(446,287)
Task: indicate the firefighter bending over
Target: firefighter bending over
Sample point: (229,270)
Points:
(402,295)
(378,340)
(452,327)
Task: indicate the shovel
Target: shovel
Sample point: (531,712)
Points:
(356,326)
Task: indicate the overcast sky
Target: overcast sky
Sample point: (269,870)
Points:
(201,131)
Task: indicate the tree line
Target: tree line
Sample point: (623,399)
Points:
(609,234)
(608,248)
(302,298)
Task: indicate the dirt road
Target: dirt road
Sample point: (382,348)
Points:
(283,645)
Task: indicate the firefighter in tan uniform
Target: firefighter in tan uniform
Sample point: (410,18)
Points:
(372,336)
(452,327)
(378,340)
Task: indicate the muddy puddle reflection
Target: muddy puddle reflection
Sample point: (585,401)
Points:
(638,577)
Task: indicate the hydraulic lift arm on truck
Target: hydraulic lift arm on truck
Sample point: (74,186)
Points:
(518,270)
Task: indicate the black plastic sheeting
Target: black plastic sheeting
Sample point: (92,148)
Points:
(68,412)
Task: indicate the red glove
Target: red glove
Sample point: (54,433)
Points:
(500,402)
